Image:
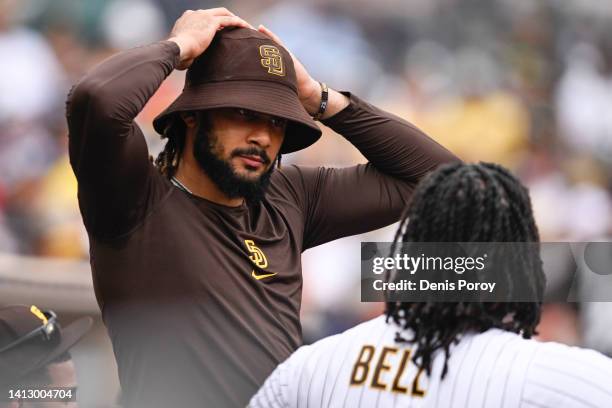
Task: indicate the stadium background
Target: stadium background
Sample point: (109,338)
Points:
(524,83)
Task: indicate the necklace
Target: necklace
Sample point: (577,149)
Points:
(180,185)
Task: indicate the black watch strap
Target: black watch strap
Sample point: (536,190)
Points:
(324,99)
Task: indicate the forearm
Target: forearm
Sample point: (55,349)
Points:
(392,145)
(112,94)
(101,108)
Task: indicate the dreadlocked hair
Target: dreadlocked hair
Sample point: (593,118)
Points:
(167,160)
(459,202)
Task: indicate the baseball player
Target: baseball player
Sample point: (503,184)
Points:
(449,354)
(196,257)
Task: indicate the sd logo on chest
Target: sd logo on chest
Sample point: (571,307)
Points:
(259,260)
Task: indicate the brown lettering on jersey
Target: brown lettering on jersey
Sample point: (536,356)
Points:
(381,367)
(362,365)
(398,377)
(417,391)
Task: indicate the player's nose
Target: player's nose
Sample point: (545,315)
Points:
(260,134)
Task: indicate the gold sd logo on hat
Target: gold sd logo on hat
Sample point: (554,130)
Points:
(272,59)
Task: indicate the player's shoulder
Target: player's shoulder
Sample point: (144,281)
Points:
(511,339)
(330,344)
(556,355)
(537,354)
(292,183)
(559,373)
(306,178)
(364,330)
(290,178)
(293,173)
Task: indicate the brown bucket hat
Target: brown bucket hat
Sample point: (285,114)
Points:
(243,68)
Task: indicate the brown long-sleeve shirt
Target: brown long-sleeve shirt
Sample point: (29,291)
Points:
(176,276)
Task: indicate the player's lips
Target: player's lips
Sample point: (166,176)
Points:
(252,161)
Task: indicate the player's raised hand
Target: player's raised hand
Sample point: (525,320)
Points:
(309,89)
(194,31)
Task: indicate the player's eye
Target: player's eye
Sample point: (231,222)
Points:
(250,116)
(278,122)
(246,114)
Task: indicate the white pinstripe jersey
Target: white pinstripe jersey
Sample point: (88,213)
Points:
(365,367)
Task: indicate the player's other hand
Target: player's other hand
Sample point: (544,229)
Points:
(194,31)
(309,89)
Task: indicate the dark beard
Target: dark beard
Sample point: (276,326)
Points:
(222,174)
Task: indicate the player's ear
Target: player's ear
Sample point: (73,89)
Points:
(190,119)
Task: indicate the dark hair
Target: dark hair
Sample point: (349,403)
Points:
(167,160)
(468,203)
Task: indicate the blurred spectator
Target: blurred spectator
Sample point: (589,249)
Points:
(31,80)
(584,103)
(121,32)
(484,121)
(31,88)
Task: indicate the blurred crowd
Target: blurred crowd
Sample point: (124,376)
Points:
(527,84)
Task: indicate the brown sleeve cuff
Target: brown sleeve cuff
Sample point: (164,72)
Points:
(173,51)
(341,116)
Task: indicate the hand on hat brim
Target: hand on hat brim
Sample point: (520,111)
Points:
(309,90)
